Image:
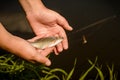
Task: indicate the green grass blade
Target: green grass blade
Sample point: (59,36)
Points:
(45,68)
(46,72)
(71,72)
(115,76)
(52,73)
(100,73)
(110,72)
(58,70)
(96,78)
(51,77)
(63,77)
(86,73)
(98,69)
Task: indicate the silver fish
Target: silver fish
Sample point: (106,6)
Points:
(46,42)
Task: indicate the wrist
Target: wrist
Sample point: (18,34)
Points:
(32,6)
(7,40)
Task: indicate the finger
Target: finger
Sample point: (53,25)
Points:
(63,22)
(65,40)
(59,46)
(42,59)
(61,33)
(47,51)
(55,51)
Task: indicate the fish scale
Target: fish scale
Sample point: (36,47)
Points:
(46,42)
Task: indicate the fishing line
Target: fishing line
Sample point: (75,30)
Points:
(95,23)
(83,32)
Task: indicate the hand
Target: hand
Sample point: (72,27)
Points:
(23,48)
(46,22)
(50,23)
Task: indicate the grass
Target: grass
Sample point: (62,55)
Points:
(18,69)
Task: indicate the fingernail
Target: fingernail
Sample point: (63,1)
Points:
(60,50)
(57,53)
(48,63)
(71,28)
(65,47)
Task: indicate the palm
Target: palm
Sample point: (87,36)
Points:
(50,23)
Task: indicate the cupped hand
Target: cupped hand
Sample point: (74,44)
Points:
(23,48)
(47,22)
(30,53)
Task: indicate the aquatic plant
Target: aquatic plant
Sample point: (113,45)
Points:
(18,69)
(9,65)
(112,75)
(24,70)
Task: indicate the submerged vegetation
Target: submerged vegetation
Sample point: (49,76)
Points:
(18,69)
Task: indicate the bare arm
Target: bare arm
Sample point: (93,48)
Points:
(22,48)
(31,5)
(46,22)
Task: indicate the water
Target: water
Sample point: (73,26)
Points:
(103,42)
(103,39)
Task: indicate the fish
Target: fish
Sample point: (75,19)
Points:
(46,42)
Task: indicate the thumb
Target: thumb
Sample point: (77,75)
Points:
(42,59)
(63,22)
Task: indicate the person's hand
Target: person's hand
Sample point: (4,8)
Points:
(23,48)
(50,23)
(46,22)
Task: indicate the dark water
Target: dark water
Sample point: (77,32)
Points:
(103,39)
